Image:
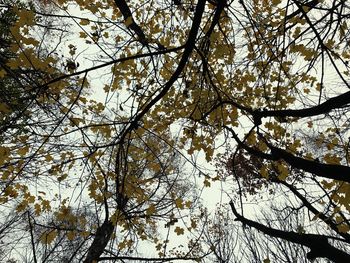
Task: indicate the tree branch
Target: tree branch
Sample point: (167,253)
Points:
(102,237)
(331,171)
(327,220)
(318,244)
(323,108)
(126,12)
(189,46)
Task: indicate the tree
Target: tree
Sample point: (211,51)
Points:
(111,98)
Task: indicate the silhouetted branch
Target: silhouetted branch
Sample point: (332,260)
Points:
(318,244)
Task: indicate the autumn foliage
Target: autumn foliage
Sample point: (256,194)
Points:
(111,112)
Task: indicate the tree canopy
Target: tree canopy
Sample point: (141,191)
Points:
(111,110)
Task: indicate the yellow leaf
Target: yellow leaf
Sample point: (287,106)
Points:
(332,159)
(306,90)
(23,151)
(31,199)
(251,139)
(179,231)
(84,22)
(159,246)
(276,2)
(82,35)
(37,209)
(193,223)
(179,203)
(30,41)
(206,183)
(283,171)
(209,154)
(84,234)
(106,88)
(4,154)
(343,228)
(196,114)
(47,238)
(26,17)
(71,235)
(4,108)
(10,191)
(76,121)
(83,100)
(46,205)
(128,21)
(264,172)
(2,73)
(122,245)
(48,158)
(150,210)
(22,206)
(62,177)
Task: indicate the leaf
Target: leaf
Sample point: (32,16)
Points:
(46,205)
(159,246)
(22,206)
(48,237)
(179,231)
(31,199)
(30,41)
(128,21)
(331,158)
(343,228)
(23,151)
(11,191)
(209,154)
(82,35)
(26,17)
(4,154)
(62,177)
(2,73)
(206,183)
(71,235)
(84,22)
(37,209)
(48,158)
(179,203)
(193,223)
(282,171)
(4,108)
(188,204)
(151,210)
(122,245)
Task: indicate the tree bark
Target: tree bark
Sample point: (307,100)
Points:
(102,237)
